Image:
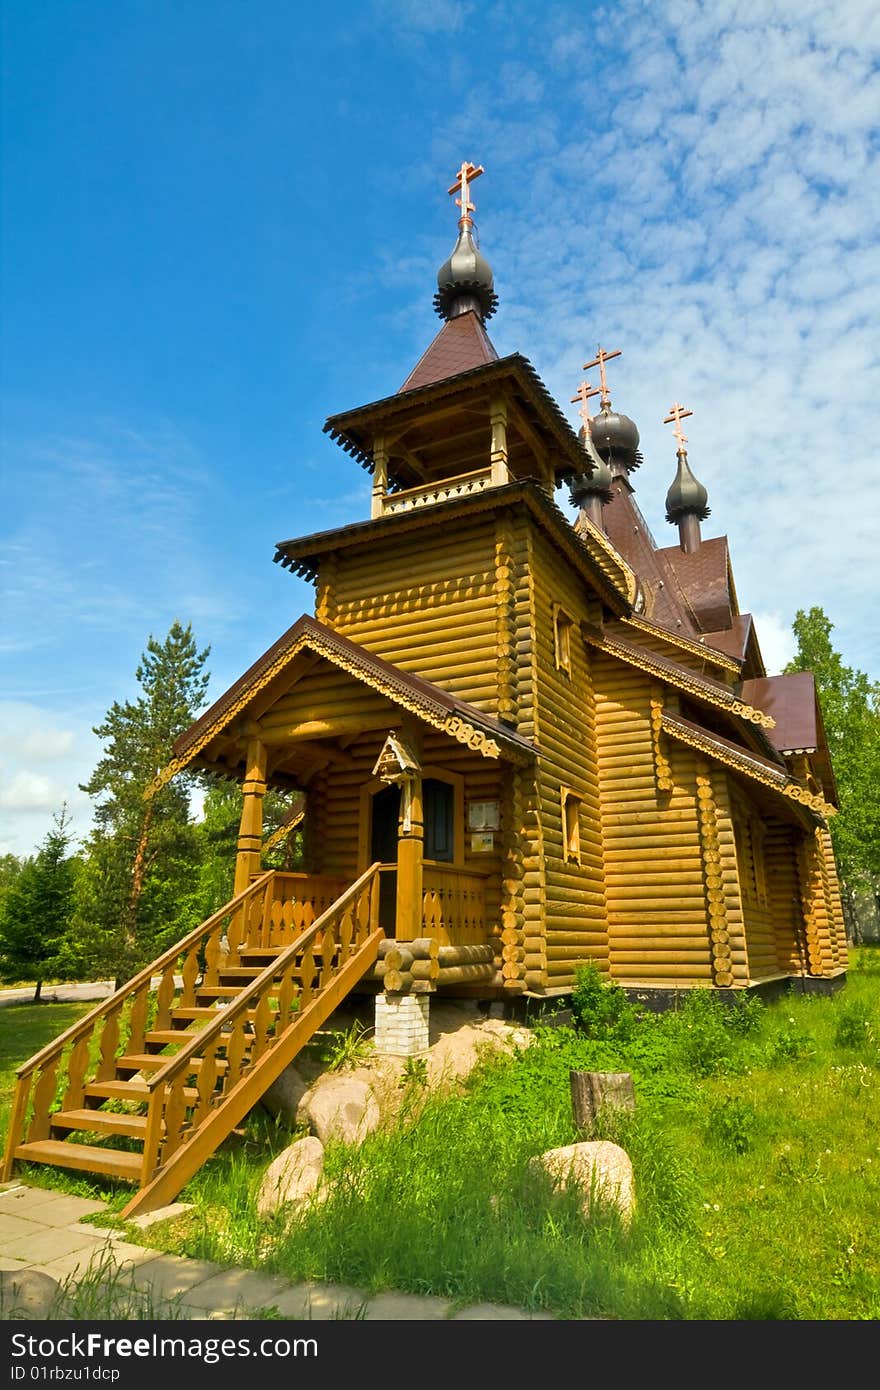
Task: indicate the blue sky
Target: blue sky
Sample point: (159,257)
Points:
(222,222)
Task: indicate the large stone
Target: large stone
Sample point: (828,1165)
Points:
(28,1295)
(283,1097)
(292,1177)
(601,1170)
(340,1107)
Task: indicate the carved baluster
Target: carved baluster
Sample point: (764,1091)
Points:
(285,997)
(44,1101)
(307,971)
(235,1052)
(262,1021)
(77,1063)
(165,997)
(175,1117)
(234,933)
(189,973)
(206,1081)
(254,936)
(137,1019)
(213,957)
(346,935)
(109,1047)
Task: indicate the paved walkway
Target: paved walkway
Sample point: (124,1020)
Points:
(44,1232)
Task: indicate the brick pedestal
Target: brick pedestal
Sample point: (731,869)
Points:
(401,1024)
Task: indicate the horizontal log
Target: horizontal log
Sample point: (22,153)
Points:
(422,948)
(673,973)
(396,981)
(463,974)
(465,955)
(398,958)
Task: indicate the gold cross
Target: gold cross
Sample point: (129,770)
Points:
(466,174)
(584,392)
(599,361)
(678,413)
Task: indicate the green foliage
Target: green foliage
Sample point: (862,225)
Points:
(36,912)
(138,891)
(732,1123)
(850,705)
(854,1025)
(705,1041)
(600,1007)
(217,835)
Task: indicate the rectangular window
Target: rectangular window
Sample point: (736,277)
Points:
(562,625)
(571,825)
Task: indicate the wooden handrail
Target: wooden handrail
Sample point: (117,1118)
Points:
(439,484)
(143,976)
(242,1000)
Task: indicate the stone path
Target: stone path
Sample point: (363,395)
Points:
(47,1250)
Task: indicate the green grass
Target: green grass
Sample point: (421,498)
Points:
(755,1143)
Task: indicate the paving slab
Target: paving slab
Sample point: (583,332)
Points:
(119,1256)
(7,1263)
(498,1312)
(311,1301)
(49,1208)
(44,1245)
(406,1307)
(14,1227)
(169,1276)
(236,1288)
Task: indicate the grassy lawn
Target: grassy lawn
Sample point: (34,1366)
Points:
(755,1144)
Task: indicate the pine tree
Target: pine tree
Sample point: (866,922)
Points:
(37,909)
(850,705)
(143,852)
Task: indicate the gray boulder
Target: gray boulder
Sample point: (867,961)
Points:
(340,1107)
(284,1095)
(27,1295)
(292,1177)
(600,1169)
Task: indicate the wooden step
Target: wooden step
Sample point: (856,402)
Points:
(128,1090)
(190,1014)
(152,1061)
(101,1122)
(88,1158)
(166,1037)
(218,992)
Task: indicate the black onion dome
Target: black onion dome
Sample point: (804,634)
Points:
(465,280)
(594,484)
(616,439)
(686,497)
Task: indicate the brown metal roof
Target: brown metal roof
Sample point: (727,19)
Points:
(628,532)
(733,640)
(461,345)
(704,578)
(794,704)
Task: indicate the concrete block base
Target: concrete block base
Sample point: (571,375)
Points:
(401,1024)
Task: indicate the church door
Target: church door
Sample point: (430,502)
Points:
(438,808)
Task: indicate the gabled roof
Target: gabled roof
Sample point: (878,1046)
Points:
(428,702)
(704,576)
(749,764)
(681,677)
(794,704)
(461,345)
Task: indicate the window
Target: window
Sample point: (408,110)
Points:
(562,625)
(571,825)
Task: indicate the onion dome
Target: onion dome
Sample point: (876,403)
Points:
(583,486)
(465,281)
(616,439)
(686,497)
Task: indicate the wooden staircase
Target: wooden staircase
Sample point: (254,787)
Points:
(147,1085)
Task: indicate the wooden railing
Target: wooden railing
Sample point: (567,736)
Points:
(87,1051)
(294,902)
(454,905)
(407,499)
(212,1082)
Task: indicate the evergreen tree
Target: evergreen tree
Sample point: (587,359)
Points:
(138,887)
(36,912)
(218,835)
(850,705)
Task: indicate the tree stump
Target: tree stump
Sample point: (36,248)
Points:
(591,1090)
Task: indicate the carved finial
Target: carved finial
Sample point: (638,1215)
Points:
(466,174)
(584,392)
(599,361)
(678,413)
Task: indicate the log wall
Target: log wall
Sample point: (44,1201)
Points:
(428,604)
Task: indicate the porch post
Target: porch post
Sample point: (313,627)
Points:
(410,847)
(498,449)
(250,830)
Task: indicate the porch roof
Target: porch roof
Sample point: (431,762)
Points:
(426,701)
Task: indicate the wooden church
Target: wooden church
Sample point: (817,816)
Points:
(526,739)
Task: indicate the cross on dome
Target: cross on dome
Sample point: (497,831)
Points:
(678,413)
(466,175)
(599,361)
(584,392)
